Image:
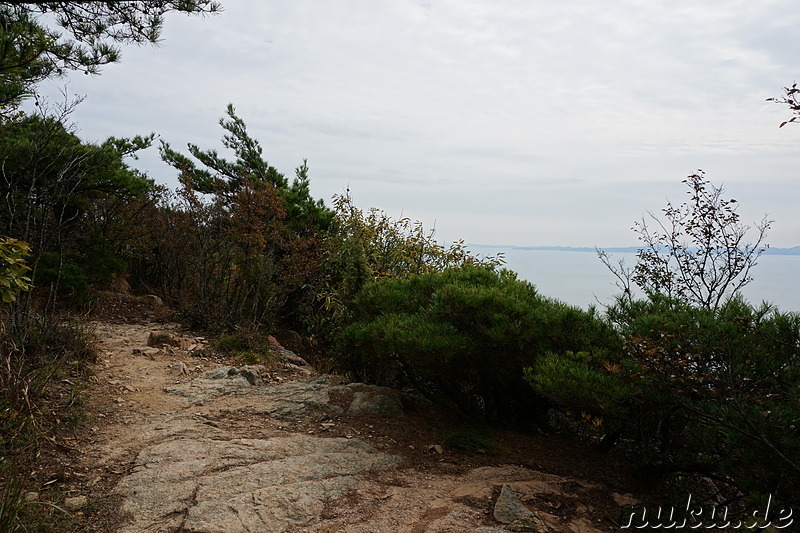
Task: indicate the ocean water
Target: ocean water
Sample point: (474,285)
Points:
(579,278)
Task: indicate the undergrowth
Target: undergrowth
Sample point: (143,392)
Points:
(43,365)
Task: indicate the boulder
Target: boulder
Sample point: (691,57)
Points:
(375,401)
(510,511)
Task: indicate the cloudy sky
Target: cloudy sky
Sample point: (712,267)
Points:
(500,122)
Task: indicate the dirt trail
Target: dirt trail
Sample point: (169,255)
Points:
(179,442)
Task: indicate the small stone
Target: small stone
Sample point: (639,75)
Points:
(161,338)
(31,496)
(76,503)
(251,373)
(625,499)
(178,369)
(301,369)
(150,351)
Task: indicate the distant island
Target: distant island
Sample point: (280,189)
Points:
(628,249)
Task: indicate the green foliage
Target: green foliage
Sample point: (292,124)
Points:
(238,244)
(463,336)
(707,385)
(31,50)
(64,196)
(363,247)
(247,344)
(226,178)
(13,268)
(241,240)
(97,258)
(22,45)
(11,499)
(68,280)
(696,390)
(394,248)
(243,340)
(584,382)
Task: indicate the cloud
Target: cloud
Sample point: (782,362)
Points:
(550,120)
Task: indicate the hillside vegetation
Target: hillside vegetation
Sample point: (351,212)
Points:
(693,385)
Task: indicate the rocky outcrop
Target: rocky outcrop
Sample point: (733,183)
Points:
(292,400)
(198,478)
(266,452)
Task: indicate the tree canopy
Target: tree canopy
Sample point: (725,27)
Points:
(43,39)
(218,175)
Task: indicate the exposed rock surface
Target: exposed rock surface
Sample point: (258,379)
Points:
(510,511)
(202,479)
(374,401)
(293,400)
(187,441)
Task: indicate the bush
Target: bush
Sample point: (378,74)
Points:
(13,269)
(247,343)
(239,241)
(67,280)
(697,391)
(363,247)
(32,356)
(62,196)
(463,336)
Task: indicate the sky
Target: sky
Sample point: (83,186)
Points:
(527,123)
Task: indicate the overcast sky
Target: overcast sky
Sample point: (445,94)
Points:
(499,122)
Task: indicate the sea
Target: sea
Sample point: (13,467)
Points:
(577,277)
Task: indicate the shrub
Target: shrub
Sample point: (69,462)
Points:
(239,241)
(243,340)
(67,280)
(361,247)
(463,336)
(696,391)
(61,194)
(13,269)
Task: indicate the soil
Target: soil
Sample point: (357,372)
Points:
(571,486)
